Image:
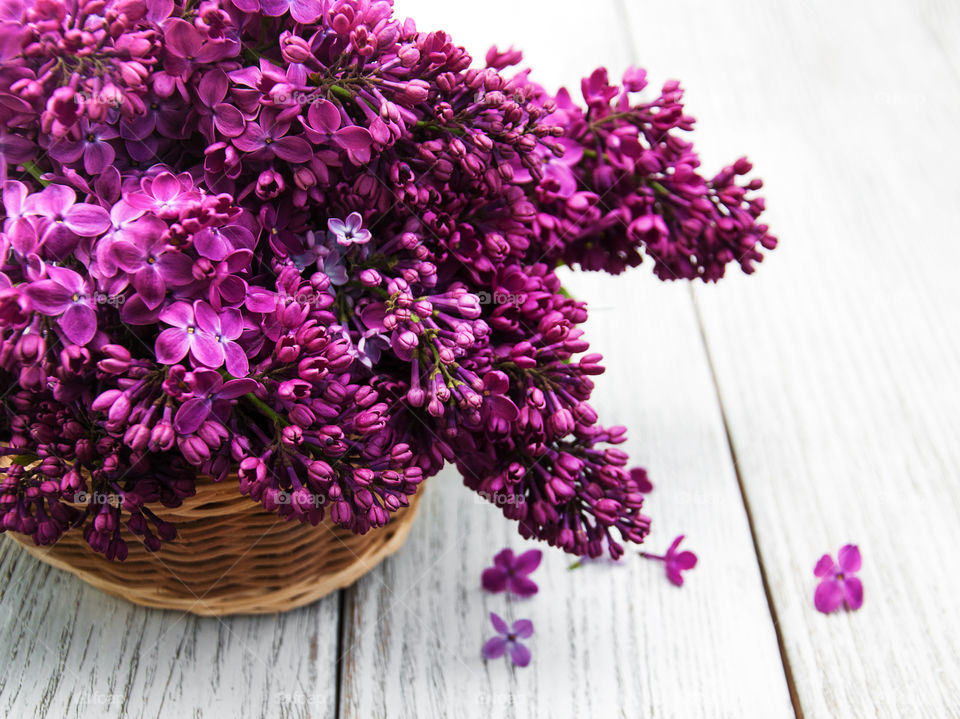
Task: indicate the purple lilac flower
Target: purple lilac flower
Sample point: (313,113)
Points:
(92,145)
(676,562)
(69,298)
(165,194)
(348,232)
(193,331)
(207,388)
(508,640)
(511,572)
(65,220)
(153,264)
(837,585)
(184,161)
(268,138)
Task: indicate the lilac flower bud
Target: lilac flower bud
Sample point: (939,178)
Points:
(294,49)
(370,277)
(292,435)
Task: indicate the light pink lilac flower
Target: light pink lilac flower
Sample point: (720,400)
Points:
(347,232)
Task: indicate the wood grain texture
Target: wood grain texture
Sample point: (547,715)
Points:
(611,640)
(69,650)
(837,364)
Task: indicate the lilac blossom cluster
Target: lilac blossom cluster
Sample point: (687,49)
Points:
(248,239)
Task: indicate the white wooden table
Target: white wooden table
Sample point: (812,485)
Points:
(781,416)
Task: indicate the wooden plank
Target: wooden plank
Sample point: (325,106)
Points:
(611,640)
(71,651)
(837,363)
(942,21)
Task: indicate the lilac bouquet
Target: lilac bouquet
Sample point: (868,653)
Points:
(301,246)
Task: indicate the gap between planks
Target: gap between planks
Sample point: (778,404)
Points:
(621,10)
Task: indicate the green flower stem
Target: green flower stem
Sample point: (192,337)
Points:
(266,409)
(31,167)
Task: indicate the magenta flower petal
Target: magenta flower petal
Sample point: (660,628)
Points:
(191,415)
(826,566)
(229,120)
(519,654)
(150,286)
(305,11)
(172,345)
(97,157)
(504,559)
(829,596)
(323,116)
(674,575)
(853,592)
(236,360)
(849,558)
(523,628)
(49,297)
(179,314)
(207,318)
(498,623)
(528,561)
(494,647)
(522,586)
(182,38)
(291,149)
(494,579)
(79,323)
(87,220)
(354,137)
(236,388)
(206,350)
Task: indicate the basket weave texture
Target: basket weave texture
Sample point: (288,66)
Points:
(231,556)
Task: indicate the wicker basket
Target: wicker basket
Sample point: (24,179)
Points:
(231,556)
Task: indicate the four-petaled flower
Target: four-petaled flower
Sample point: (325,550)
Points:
(510,572)
(837,585)
(67,296)
(153,265)
(676,562)
(67,219)
(192,332)
(208,389)
(268,138)
(347,232)
(322,127)
(507,641)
